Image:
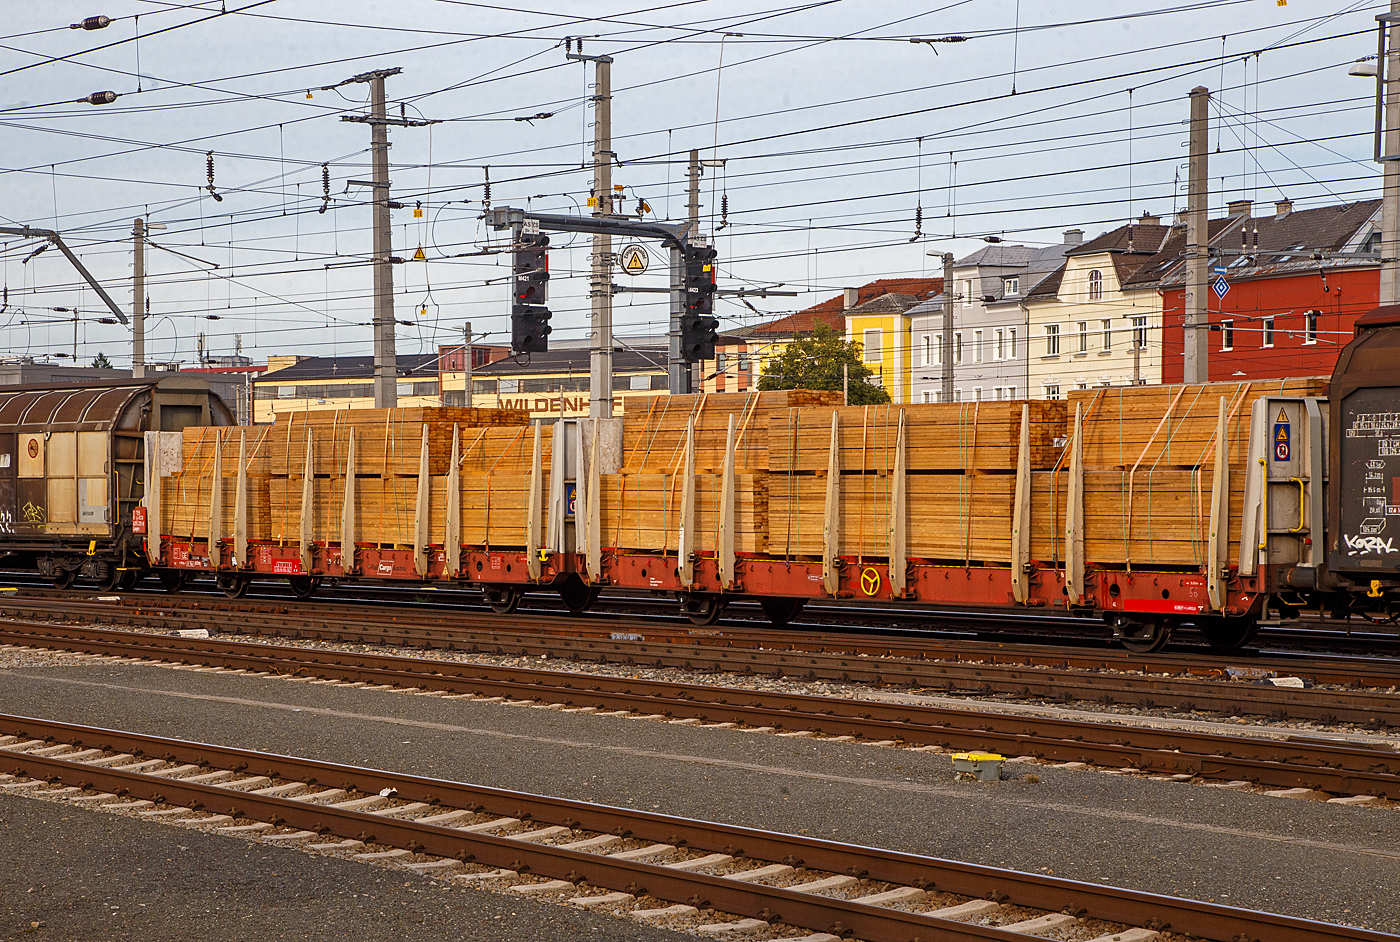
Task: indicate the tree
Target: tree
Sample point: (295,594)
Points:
(100,362)
(815,361)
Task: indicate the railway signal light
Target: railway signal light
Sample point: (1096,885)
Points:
(699,327)
(532,269)
(529,328)
(529,318)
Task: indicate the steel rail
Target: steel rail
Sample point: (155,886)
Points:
(1185,693)
(1284,762)
(773,904)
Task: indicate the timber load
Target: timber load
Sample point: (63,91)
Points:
(1111,478)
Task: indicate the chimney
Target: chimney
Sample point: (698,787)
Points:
(1150,220)
(1239,207)
(1074,236)
(1283,208)
(850,298)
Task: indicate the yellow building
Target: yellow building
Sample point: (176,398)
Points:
(556,382)
(882,328)
(880,305)
(303,384)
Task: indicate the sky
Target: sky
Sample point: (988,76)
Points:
(842,148)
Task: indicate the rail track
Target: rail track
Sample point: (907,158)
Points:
(1358,637)
(630,862)
(1176,682)
(1279,761)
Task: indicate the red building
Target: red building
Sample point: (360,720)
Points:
(1296,283)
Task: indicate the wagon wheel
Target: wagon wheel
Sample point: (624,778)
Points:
(703,610)
(1144,636)
(577,595)
(503,600)
(172,580)
(1228,634)
(234,585)
(780,611)
(303,587)
(129,579)
(64,578)
(112,577)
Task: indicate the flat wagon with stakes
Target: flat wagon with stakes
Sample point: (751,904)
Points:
(1222,505)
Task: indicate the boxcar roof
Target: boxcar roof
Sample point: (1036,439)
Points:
(68,408)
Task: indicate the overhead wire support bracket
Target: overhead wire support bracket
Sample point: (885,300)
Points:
(56,239)
(503,217)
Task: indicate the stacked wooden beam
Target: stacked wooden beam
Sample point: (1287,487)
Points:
(643,512)
(496,453)
(960,462)
(642,502)
(185,495)
(1149,458)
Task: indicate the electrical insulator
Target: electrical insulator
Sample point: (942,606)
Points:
(918,223)
(99,98)
(643,207)
(325,188)
(724,210)
(92,22)
(209,171)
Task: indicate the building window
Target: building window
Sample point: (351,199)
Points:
(1227,335)
(997,391)
(1310,326)
(1011,336)
(937,349)
(928,350)
(1083,336)
(509,387)
(957,395)
(928,396)
(719,361)
(1082,386)
(977,346)
(1106,328)
(1052,391)
(1001,345)
(1095,285)
(967,292)
(870,340)
(957,348)
(1140,332)
(1052,340)
(976,393)
(938,395)
(1267,337)
(1010,392)
(1012,285)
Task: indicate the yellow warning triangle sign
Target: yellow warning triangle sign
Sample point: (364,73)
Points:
(1282,435)
(1282,416)
(633,262)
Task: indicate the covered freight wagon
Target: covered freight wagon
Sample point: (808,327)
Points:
(72,461)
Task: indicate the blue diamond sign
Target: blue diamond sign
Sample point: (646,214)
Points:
(1221,287)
